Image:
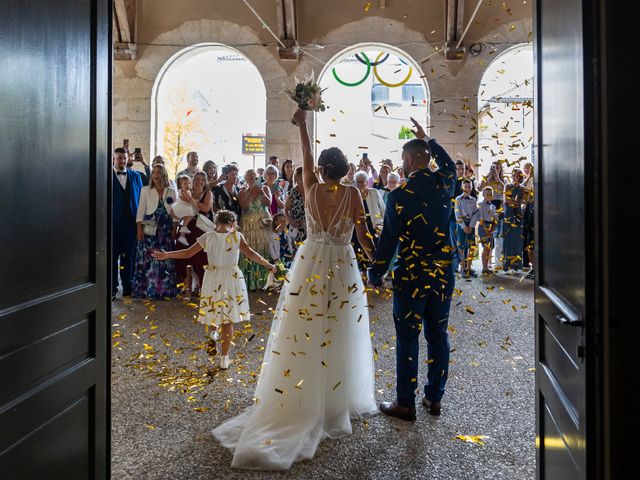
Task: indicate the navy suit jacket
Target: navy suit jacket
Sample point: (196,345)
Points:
(135,183)
(416,225)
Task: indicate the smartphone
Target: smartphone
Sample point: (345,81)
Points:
(137,150)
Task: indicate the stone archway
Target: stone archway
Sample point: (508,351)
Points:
(133,83)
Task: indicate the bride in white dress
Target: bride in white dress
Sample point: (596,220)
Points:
(318,369)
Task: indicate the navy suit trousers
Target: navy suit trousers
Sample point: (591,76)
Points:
(124,240)
(431,316)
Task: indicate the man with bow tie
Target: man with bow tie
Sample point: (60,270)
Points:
(127,184)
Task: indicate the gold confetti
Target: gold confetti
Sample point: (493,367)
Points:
(477,439)
(336,385)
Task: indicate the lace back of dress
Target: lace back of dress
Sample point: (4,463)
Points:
(340,227)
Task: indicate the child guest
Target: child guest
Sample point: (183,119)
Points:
(466,213)
(224,299)
(182,210)
(281,246)
(487,223)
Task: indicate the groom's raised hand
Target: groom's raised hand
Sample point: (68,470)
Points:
(419,131)
(374,280)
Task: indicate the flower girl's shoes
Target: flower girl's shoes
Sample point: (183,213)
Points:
(212,348)
(224,362)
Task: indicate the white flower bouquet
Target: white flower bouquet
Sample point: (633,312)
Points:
(308,95)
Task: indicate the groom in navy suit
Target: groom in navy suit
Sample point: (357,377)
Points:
(126,186)
(416,226)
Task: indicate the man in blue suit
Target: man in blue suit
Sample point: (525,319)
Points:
(416,226)
(126,186)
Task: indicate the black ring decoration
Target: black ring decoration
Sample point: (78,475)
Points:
(373,64)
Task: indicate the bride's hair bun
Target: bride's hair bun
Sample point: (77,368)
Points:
(333,162)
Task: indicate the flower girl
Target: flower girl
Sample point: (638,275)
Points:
(224,299)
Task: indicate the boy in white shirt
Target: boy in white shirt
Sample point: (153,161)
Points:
(466,211)
(487,223)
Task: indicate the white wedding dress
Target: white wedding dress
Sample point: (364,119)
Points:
(318,369)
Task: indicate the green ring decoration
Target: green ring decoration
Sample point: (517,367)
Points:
(359,82)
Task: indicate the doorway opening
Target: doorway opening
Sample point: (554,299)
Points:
(505,111)
(209,98)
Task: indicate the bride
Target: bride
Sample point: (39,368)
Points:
(318,369)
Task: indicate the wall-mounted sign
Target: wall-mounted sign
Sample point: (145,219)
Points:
(252,144)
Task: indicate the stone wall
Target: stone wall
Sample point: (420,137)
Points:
(453,96)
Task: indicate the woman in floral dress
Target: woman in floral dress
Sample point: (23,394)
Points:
(153,278)
(255,224)
(294,210)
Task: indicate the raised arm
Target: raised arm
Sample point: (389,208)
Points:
(446,165)
(308,175)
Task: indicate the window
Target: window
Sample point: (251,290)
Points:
(379,93)
(413,93)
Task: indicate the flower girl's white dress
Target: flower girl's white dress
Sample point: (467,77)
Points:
(318,369)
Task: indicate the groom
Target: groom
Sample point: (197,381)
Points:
(416,224)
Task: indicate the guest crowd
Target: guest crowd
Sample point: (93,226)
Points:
(152,212)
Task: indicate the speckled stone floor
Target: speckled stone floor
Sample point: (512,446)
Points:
(165,404)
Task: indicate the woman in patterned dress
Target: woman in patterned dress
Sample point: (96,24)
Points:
(153,278)
(255,226)
(294,210)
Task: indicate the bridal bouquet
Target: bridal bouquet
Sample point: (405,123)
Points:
(275,280)
(308,95)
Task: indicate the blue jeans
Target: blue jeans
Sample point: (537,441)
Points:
(431,315)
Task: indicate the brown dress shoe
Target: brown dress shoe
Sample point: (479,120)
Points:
(432,407)
(394,410)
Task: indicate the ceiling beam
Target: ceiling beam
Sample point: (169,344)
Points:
(124,42)
(288,29)
(454,28)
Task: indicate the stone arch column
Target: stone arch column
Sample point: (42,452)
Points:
(133,82)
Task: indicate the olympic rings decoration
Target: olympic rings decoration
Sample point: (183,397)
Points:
(374,64)
(359,82)
(391,85)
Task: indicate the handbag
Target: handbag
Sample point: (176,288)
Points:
(149,227)
(205,224)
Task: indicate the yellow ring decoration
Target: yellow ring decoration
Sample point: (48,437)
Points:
(386,84)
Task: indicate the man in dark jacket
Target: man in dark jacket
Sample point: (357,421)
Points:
(126,187)
(416,225)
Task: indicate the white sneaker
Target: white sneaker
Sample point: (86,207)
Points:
(224,362)
(183,240)
(184,229)
(215,335)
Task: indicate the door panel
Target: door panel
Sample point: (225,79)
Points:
(561,243)
(54,178)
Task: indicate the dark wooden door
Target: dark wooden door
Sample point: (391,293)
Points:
(568,263)
(55,86)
